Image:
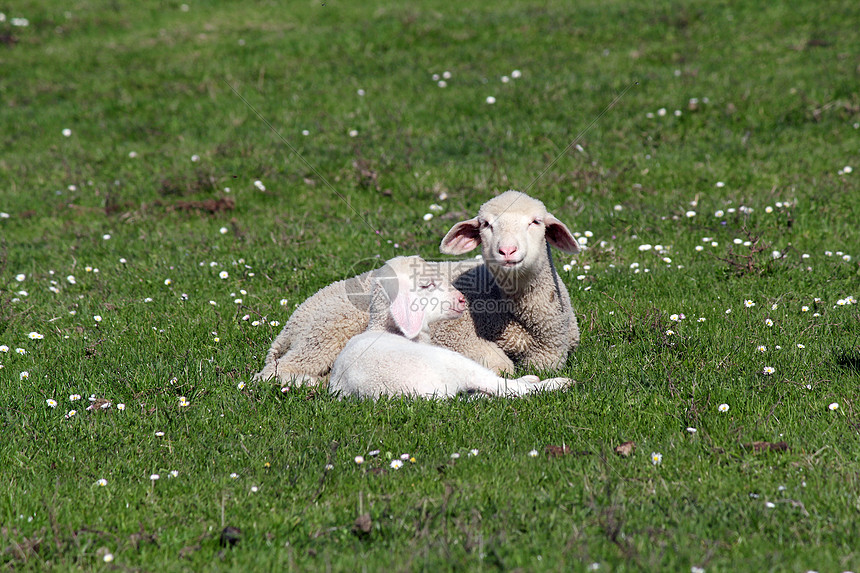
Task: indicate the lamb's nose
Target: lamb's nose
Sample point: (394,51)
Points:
(507,252)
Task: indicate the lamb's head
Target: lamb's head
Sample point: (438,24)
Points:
(513,230)
(408,294)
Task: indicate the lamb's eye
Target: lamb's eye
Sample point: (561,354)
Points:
(429,285)
(483,224)
(537,222)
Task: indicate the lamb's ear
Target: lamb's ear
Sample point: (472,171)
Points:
(559,236)
(462,238)
(406,310)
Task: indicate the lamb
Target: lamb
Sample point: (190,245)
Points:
(388,358)
(519,311)
(305,349)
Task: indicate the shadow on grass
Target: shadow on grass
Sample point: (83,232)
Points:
(848,359)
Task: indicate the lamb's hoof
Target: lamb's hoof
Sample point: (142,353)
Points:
(292,380)
(559,383)
(499,363)
(267,373)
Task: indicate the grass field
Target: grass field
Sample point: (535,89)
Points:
(176,178)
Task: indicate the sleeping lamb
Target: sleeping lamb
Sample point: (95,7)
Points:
(320,327)
(519,311)
(388,358)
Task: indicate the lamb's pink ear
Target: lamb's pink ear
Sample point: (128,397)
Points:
(462,238)
(559,236)
(406,310)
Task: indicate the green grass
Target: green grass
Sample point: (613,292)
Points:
(777,121)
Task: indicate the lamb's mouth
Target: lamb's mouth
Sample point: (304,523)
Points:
(509,264)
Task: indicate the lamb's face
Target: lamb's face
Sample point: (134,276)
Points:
(512,230)
(419,294)
(438,299)
(512,234)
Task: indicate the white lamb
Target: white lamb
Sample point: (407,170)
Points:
(519,311)
(304,351)
(388,358)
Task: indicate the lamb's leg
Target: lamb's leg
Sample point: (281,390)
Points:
(302,364)
(311,350)
(297,368)
(287,374)
(490,355)
(459,335)
(485,352)
(280,346)
(517,386)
